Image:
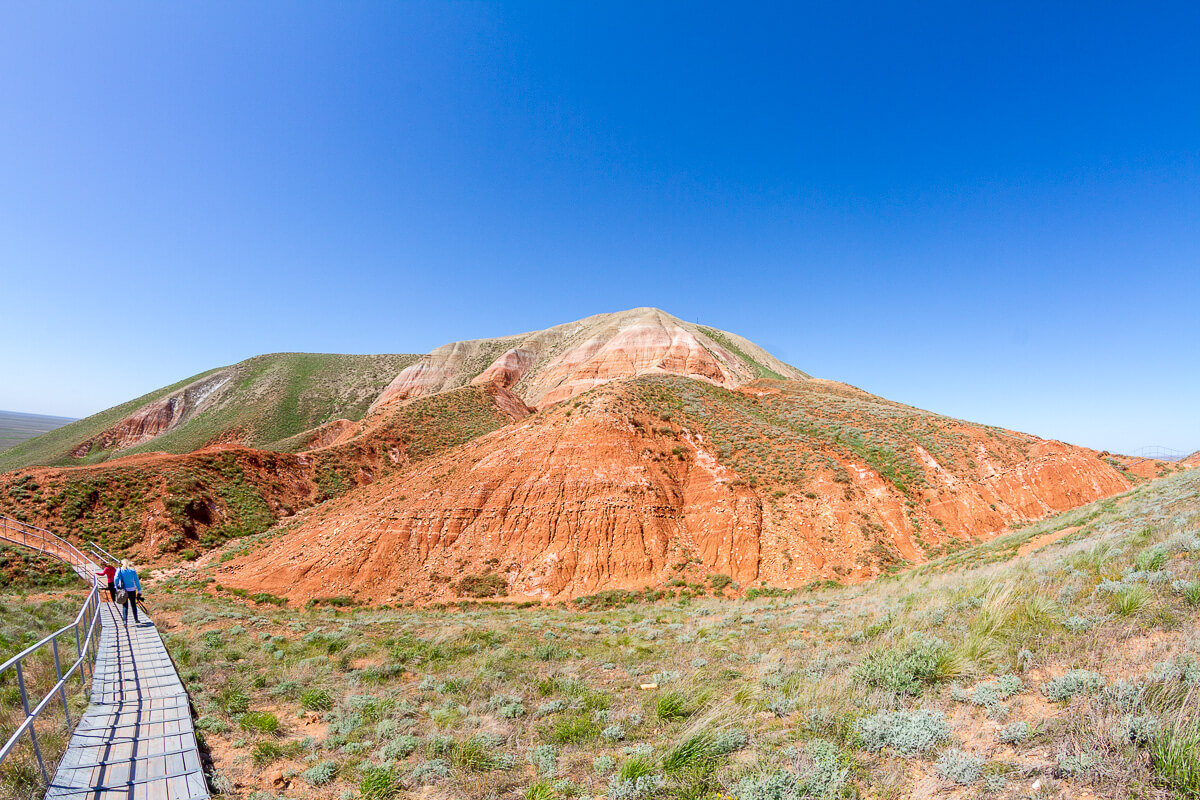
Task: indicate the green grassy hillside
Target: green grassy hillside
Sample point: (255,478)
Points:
(798,428)
(54,447)
(197,501)
(259,401)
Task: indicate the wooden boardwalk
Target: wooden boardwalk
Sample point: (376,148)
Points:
(136,740)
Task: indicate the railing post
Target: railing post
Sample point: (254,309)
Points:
(62,689)
(37,751)
(79,654)
(95,651)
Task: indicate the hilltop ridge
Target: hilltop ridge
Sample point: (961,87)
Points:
(255,402)
(269,400)
(621,450)
(548,366)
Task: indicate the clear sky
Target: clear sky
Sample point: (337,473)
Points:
(987,210)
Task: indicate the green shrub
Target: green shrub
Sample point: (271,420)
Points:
(260,722)
(674,705)
(316,700)
(906,732)
(235,702)
(475,755)
(611,598)
(1151,559)
(488,585)
(548,652)
(339,601)
(1175,755)
(904,669)
(379,783)
(960,767)
(572,729)
(1130,600)
(320,774)
(1071,683)
(19,780)
(266,752)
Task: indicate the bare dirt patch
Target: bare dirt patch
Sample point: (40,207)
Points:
(1038,542)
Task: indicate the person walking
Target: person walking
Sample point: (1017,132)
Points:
(109,572)
(130,588)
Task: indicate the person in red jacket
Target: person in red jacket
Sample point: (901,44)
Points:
(109,572)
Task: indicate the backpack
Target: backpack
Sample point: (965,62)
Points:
(122,592)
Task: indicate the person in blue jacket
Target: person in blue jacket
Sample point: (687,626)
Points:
(127,579)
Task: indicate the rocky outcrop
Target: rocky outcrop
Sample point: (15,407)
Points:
(546,367)
(509,368)
(141,426)
(159,504)
(512,406)
(154,419)
(560,506)
(643,346)
(602,495)
(334,432)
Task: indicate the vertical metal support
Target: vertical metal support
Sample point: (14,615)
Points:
(79,654)
(62,689)
(95,634)
(37,751)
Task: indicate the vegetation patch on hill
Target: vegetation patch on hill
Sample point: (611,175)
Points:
(260,401)
(781,437)
(22,570)
(184,505)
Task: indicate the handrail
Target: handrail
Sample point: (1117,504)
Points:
(20,533)
(56,634)
(39,539)
(103,553)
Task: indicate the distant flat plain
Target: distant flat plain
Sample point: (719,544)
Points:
(16,427)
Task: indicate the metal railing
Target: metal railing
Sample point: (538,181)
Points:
(20,533)
(83,629)
(1160,453)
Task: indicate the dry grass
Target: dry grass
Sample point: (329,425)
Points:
(484,701)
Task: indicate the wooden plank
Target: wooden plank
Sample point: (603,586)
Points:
(136,738)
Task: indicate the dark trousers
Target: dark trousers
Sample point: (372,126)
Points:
(132,603)
(112,593)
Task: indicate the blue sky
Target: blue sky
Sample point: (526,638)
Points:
(993,213)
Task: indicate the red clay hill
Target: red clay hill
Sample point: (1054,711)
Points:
(621,451)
